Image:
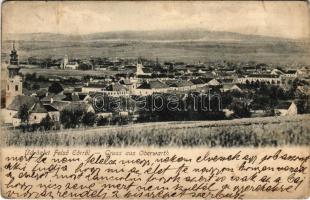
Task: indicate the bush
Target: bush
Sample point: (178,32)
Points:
(46,123)
(89,119)
(55,88)
(71,118)
(101,121)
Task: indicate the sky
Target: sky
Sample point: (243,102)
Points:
(279,19)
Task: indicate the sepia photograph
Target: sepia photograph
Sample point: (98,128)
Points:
(178,75)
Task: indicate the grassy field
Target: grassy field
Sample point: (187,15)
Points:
(276,52)
(268,131)
(71,73)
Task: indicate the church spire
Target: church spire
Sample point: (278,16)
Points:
(14,56)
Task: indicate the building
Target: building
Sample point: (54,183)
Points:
(12,109)
(66,64)
(290,74)
(231,87)
(116,90)
(150,87)
(14,85)
(142,71)
(266,78)
(180,85)
(72,66)
(214,83)
(93,87)
(286,109)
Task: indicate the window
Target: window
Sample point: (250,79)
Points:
(16,87)
(8,87)
(35,117)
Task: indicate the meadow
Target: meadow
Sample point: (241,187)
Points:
(256,132)
(64,73)
(278,52)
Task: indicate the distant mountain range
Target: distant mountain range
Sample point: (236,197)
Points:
(151,36)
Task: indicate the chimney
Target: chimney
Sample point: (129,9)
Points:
(52,100)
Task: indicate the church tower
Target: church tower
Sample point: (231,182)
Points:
(14,85)
(139,68)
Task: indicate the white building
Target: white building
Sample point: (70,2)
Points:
(66,64)
(267,78)
(150,87)
(142,71)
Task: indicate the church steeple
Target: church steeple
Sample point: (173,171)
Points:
(14,85)
(13,66)
(14,56)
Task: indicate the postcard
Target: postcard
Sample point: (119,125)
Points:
(155,100)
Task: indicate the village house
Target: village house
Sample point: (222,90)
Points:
(180,85)
(150,87)
(93,87)
(267,78)
(116,90)
(286,109)
(37,111)
(231,87)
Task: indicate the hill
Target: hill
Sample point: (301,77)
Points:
(181,45)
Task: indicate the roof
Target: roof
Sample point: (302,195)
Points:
(263,76)
(291,71)
(42,92)
(20,100)
(227,80)
(13,67)
(94,85)
(59,105)
(115,87)
(283,105)
(71,97)
(125,82)
(38,108)
(231,87)
(146,70)
(50,108)
(55,97)
(197,81)
(181,83)
(77,106)
(153,85)
(213,82)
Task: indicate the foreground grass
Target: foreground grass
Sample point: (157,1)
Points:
(257,132)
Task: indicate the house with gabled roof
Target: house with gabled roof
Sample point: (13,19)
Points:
(36,109)
(286,109)
(12,109)
(37,112)
(116,90)
(231,87)
(150,87)
(214,82)
(181,85)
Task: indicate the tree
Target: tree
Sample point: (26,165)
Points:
(35,86)
(71,118)
(240,109)
(55,88)
(102,121)
(23,114)
(89,119)
(46,123)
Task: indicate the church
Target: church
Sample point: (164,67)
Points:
(142,71)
